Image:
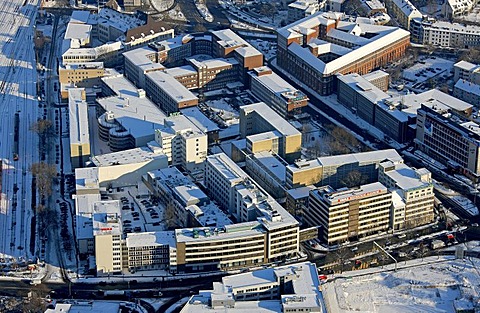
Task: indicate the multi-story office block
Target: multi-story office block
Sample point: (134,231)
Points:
(81,75)
(150,250)
(292,288)
(231,187)
(414,187)
(183,143)
(278,94)
(302,8)
(403,10)
(226,44)
(467,71)
(265,130)
(467,91)
(187,204)
(379,79)
(441,34)
(454,8)
(78,126)
(168,93)
(107,231)
(127,118)
(349,214)
(331,170)
(449,139)
(315,49)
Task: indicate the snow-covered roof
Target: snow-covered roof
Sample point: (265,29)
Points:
(324,47)
(181,71)
(119,20)
(384,36)
(406,177)
(171,86)
(229,169)
(240,230)
(78,31)
(80,306)
(213,63)
(82,66)
(363,87)
(130,108)
(363,191)
(467,66)
(271,164)
(227,38)
(107,218)
(407,8)
(80,17)
(375,75)
(468,87)
(436,97)
(199,119)
(130,156)
(300,192)
(338,160)
(272,118)
(297,28)
(78,117)
(151,239)
(209,215)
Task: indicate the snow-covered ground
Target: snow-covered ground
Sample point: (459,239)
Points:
(177,14)
(431,285)
(203,10)
(269,49)
(426,69)
(224,110)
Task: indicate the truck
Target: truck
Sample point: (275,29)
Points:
(436,244)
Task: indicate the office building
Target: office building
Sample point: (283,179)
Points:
(466,71)
(126,118)
(455,8)
(81,75)
(316,48)
(265,130)
(302,8)
(169,94)
(151,251)
(442,34)
(107,231)
(349,214)
(331,170)
(78,127)
(449,138)
(379,79)
(403,10)
(292,288)
(278,94)
(186,203)
(268,170)
(414,189)
(467,91)
(233,190)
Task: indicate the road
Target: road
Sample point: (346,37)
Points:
(18,95)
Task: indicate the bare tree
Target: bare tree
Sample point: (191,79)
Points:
(44,174)
(353,179)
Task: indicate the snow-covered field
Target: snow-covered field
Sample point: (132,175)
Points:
(430,287)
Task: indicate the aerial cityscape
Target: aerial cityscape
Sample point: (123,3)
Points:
(260,156)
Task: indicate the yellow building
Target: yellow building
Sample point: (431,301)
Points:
(265,130)
(79,132)
(82,75)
